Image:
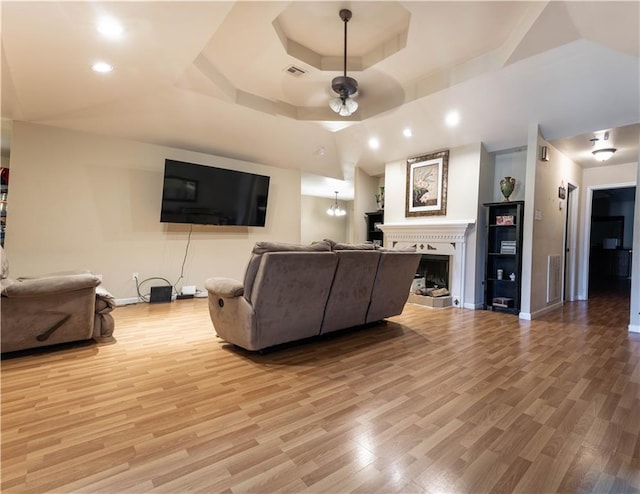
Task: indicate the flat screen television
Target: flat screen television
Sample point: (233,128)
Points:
(206,195)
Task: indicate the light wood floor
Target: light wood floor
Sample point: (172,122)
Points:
(437,400)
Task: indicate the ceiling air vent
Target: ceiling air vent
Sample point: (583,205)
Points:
(295,71)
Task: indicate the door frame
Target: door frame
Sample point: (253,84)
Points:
(570,244)
(583,292)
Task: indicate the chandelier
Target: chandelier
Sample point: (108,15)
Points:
(335,209)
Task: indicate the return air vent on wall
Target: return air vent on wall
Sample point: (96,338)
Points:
(295,71)
(554,278)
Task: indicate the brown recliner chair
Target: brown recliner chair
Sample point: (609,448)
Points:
(51,309)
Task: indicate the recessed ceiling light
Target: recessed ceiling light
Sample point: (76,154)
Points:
(102,67)
(407,132)
(374,143)
(452,119)
(110,28)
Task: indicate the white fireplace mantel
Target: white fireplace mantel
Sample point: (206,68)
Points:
(435,237)
(449,231)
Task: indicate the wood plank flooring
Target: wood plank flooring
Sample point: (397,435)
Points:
(436,400)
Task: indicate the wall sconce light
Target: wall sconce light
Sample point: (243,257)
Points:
(544,153)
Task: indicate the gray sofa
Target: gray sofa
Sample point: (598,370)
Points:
(50,309)
(292,292)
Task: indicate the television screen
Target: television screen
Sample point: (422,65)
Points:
(207,195)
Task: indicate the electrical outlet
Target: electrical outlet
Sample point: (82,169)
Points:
(134,276)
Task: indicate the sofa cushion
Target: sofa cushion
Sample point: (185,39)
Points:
(290,295)
(264,247)
(342,246)
(351,289)
(330,242)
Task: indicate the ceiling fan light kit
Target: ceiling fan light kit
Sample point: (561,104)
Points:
(345,86)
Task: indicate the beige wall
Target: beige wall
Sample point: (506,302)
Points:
(548,220)
(486,187)
(510,163)
(83,201)
(316,224)
(365,189)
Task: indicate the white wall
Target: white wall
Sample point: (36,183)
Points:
(462,204)
(462,194)
(82,201)
(316,224)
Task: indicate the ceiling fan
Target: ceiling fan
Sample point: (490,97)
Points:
(345,86)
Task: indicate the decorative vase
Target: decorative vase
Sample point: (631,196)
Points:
(506,187)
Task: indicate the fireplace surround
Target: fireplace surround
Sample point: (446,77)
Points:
(443,238)
(434,268)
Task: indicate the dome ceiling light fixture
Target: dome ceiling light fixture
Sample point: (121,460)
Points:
(604,154)
(335,209)
(345,86)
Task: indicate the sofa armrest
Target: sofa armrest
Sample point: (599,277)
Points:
(103,322)
(224,287)
(47,286)
(105,302)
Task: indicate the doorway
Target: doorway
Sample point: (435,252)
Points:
(610,242)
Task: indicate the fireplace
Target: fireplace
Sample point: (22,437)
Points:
(434,268)
(437,240)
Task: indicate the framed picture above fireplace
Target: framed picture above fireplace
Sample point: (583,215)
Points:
(427,184)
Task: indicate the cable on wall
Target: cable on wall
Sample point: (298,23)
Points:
(146,297)
(184,260)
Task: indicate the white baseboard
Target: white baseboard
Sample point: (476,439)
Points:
(136,300)
(544,310)
(472,306)
(634,328)
(525,315)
